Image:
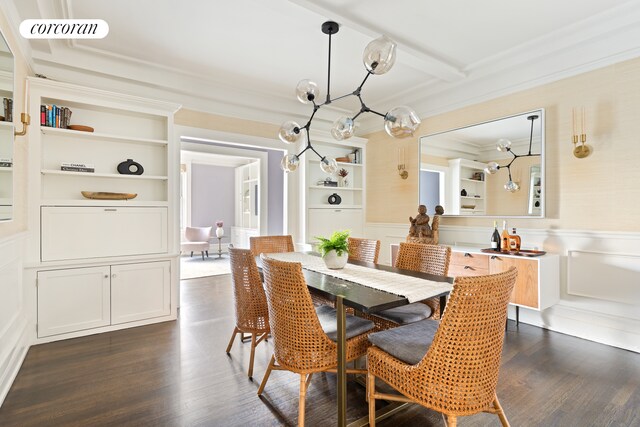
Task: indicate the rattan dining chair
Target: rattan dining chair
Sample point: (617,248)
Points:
(432,259)
(252,313)
(270,244)
(305,337)
(366,250)
(449,366)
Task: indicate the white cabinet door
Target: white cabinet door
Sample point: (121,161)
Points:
(323,222)
(73,300)
(91,232)
(140,291)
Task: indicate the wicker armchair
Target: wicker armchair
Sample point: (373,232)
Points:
(252,313)
(457,373)
(270,244)
(301,344)
(365,250)
(432,259)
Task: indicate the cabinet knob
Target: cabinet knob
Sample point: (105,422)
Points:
(467,254)
(106,276)
(495,257)
(111,210)
(468,267)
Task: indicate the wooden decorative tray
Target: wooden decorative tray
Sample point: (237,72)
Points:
(81,128)
(101,195)
(521,252)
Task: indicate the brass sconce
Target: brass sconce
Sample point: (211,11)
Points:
(402,169)
(25,118)
(579,150)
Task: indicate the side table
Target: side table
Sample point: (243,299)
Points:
(220,245)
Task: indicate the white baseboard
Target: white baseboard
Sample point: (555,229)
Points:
(601,320)
(12,360)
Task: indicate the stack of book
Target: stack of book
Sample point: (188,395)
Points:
(7,103)
(77,167)
(6,163)
(54,116)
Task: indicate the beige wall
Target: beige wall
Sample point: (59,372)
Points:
(199,119)
(19,222)
(601,192)
(503,202)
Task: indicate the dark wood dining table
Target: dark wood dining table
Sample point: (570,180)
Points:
(364,299)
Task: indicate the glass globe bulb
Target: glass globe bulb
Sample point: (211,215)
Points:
(290,163)
(342,128)
(328,165)
(307,91)
(401,122)
(379,55)
(503,144)
(492,167)
(511,186)
(288,133)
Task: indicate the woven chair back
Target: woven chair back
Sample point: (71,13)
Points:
(270,244)
(366,250)
(433,259)
(300,344)
(460,370)
(252,313)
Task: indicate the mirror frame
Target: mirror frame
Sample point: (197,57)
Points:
(8,128)
(538,111)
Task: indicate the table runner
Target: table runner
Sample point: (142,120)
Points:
(412,288)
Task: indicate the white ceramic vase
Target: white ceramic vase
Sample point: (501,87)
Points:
(219,232)
(335,262)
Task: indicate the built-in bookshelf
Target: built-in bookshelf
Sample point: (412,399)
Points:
(115,258)
(468,187)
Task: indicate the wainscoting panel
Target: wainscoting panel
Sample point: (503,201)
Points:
(611,277)
(599,287)
(14,339)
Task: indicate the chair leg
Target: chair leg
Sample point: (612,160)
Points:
(253,353)
(233,337)
(371,388)
(303,394)
(266,375)
(500,412)
(452,421)
(202,253)
(207,252)
(191,254)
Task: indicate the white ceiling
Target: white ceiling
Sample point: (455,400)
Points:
(244,58)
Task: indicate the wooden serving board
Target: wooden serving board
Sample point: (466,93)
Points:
(521,252)
(101,195)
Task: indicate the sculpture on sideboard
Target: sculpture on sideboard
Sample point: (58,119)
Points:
(420,230)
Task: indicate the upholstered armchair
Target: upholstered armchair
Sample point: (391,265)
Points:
(197,239)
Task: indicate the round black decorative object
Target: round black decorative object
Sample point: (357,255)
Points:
(463,192)
(130,168)
(334,199)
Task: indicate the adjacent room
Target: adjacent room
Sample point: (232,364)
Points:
(319,213)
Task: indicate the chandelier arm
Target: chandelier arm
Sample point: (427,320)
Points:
(363,81)
(375,112)
(335,99)
(509,169)
(356,116)
(314,150)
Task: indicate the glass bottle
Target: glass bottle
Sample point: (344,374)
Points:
(495,237)
(504,242)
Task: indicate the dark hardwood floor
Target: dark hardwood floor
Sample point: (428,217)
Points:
(177,374)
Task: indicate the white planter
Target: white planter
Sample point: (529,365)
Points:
(219,232)
(335,262)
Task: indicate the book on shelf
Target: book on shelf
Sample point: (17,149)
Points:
(54,116)
(6,163)
(7,103)
(77,167)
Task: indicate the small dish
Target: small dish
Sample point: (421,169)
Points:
(102,195)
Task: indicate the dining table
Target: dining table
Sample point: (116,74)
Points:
(365,299)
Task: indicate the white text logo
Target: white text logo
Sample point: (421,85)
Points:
(64,28)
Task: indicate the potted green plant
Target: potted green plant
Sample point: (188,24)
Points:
(335,249)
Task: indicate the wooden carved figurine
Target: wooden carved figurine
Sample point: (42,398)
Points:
(420,231)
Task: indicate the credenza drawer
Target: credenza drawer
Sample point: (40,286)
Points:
(466,270)
(477,261)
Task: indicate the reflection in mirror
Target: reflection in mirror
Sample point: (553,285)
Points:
(6,131)
(456,166)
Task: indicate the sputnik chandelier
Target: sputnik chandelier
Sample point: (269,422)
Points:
(399,122)
(505,145)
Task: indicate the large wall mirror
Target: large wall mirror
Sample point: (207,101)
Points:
(492,169)
(6,131)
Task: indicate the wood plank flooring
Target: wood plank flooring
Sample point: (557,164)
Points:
(177,374)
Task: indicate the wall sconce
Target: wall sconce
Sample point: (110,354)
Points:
(25,118)
(402,169)
(583,150)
